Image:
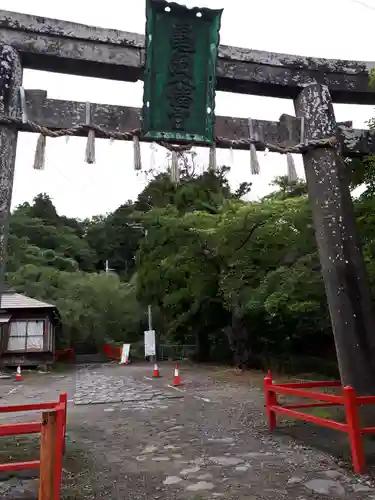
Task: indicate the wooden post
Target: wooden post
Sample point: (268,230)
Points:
(10,82)
(343,269)
(354,430)
(59,450)
(271,400)
(47,456)
(64,400)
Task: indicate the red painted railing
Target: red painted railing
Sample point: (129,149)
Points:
(112,352)
(348,399)
(65,354)
(60,407)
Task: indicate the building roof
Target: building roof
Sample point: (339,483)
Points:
(13,300)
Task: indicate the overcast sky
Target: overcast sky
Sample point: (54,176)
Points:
(322,28)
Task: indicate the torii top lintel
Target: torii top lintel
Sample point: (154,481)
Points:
(66,47)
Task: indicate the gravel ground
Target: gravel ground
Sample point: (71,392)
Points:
(135,437)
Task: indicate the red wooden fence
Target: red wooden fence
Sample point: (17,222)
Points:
(112,352)
(348,399)
(65,354)
(60,410)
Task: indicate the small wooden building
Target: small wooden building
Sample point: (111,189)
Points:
(27,330)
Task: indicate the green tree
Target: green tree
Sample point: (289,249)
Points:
(235,278)
(40,226)
(93,307)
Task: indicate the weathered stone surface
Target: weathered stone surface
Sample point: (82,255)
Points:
(326,487)
(226,460)
(172,480)
(344,274)
(200,486)
(362,488)
(10,81)
(111,455)
(356,142)
(97,388)
(19,489)
(65,47)
(59,114)
(190,470)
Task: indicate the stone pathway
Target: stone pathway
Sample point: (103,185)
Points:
(96,387)
(224,465)
(210,444)
(19,489)
(128,438)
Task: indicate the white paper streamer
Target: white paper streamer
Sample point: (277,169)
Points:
(90,145)
(254,163)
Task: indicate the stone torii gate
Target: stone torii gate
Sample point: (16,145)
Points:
(314,84)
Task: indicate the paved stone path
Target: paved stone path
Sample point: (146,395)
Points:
(19,489)
(211,444)
(130,438)
(96,387)
(271,473)
(218,458)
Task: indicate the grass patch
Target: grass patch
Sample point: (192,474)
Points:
(322,412)
(74,493)
(19,448)
(336,413)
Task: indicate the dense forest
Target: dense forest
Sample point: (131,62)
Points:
(239,280)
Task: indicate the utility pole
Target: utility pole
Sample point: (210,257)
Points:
(149,307)
(149,310)
(107,269)
(149,317)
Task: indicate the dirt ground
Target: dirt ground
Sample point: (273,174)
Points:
(131,436)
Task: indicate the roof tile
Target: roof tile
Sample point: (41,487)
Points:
(12,300)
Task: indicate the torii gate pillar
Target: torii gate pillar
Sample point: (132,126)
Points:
(345,278)
(10,82)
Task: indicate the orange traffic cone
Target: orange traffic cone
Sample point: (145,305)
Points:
(19,377)
(176,378)
(156,371)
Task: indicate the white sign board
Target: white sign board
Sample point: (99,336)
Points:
(150,346)
(125,353)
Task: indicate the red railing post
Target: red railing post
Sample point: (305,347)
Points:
(47,456)
(53,431)
(59,449)
(64,400)
(354,430)
(271,400)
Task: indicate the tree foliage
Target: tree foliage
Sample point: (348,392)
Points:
(239,280)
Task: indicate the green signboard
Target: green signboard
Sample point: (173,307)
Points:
(180,76)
